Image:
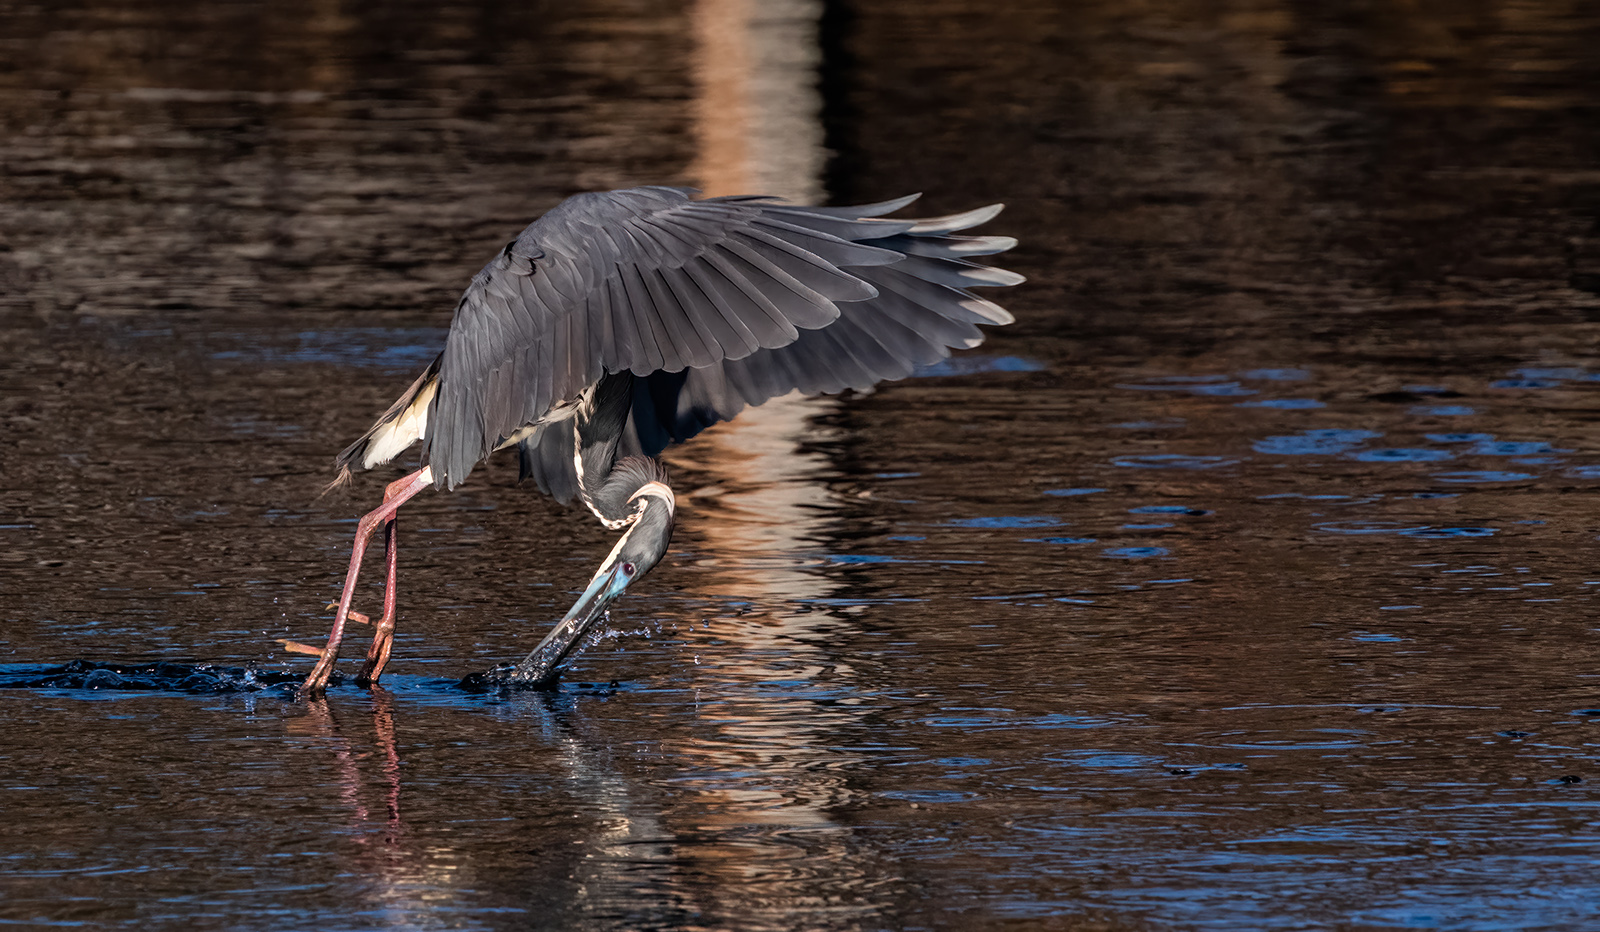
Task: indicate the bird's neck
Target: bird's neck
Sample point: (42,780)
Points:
(633,483)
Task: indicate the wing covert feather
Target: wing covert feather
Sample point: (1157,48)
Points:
(714,305)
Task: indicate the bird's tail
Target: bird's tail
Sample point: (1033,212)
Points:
(403,424)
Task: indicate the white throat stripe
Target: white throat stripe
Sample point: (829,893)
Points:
(658,490)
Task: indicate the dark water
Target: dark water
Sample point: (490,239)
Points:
(1246,582)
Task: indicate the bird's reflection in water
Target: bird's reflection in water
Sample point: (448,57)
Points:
(628,867)
(319,721)
(596,852)
(387,867)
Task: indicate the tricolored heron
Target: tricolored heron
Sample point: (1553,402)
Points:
(623,321)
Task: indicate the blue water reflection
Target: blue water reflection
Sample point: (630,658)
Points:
(1483,476)
(1525,383)
(1135,553)
(1513,448)
(978,363)
(1006,521)
(375,347)
(1402,456)
(1322,441)
(1284,404)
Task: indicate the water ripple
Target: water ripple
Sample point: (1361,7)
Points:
(1310,442)
(1173,461)
(1005,521)
(1439,533)
(1135,553)
(1193,384)
(1402,456)
(970,364)
(1513,448)
(1368,527)
(1525,383)
(1277,375)
(1483,475)
(1285,404)
(1402,529)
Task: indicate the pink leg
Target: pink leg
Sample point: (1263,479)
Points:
(383,633)
(317,681)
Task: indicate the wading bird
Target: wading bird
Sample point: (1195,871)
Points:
(623,321)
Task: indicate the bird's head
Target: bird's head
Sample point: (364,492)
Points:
(639,550)
(649,511)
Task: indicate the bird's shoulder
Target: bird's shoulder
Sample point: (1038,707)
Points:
(574,248)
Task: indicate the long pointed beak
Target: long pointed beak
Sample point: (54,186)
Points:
(541,665)
(603,589)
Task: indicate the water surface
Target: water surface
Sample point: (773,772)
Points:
(1247,581)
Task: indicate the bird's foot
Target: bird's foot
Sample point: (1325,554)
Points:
(378,655)
(353,615)
(300,647)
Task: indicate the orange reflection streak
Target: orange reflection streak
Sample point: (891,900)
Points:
(721,63)
(766,761)
(761,516)
(757,110)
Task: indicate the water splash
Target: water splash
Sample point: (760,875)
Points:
(164,676)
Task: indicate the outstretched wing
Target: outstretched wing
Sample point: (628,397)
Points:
(919,311)
(643,280)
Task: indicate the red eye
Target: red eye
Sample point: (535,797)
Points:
(629,569)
